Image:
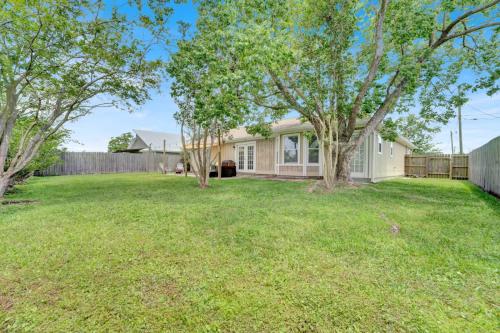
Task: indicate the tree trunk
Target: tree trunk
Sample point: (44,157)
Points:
(203,181)
(343,171)
(327,134)
(4,184)
(219,154)
(202,155)
(184,151)
(185,165)
(328,172)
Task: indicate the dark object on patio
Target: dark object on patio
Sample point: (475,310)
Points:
(228,169)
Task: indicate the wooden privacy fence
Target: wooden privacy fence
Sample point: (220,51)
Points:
(77,163)
(485,166)
(437,166)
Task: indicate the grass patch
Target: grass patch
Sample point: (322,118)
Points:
(142,252)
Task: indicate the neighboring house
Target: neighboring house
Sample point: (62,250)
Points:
(145,141)
(289,153)
(157,142)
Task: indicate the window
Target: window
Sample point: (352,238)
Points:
(250,158)
(392,148)
(379,144)
(358,160)
(291,149)
(241,158)
(313,151)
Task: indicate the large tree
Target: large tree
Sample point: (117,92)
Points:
(337,61)
(59,60)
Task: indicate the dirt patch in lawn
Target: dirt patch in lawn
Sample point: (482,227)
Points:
(160,290)
(395,228)
(319,187)
(18,202)
(6,303)
(49,292)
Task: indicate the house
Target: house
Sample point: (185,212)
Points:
(157,142)
(288,152)
(145,141)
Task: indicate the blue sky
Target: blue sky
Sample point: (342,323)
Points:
(93,132)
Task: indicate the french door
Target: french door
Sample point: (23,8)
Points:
(245,157)
(359,162)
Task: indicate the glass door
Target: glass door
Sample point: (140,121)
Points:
(250,158)
(241,158)
(245,157)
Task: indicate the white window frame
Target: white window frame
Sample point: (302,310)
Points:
(306,142)
(237,156)
(364,157)
(298,149)
(238,148)
(391,149)
(380,144)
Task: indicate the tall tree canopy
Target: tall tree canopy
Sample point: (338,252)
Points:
(419,132)
(59,60)
(337,61)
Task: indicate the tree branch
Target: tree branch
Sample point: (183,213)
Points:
(471,30)
(377,57)
(380,113)
(462,17)
(287,94)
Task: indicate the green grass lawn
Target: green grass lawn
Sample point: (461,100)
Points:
(139,252)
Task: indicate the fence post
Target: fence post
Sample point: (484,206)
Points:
(426,167)
(164,156)
(451,166)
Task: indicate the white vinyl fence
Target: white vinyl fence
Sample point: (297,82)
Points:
(484,166)
(78,163)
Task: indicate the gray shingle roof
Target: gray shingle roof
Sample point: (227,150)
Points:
(155,140)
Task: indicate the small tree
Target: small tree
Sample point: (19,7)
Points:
(120,142)
(197,140)
(207,90)
(58,60)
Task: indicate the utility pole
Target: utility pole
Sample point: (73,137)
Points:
(460,143)
(451,137)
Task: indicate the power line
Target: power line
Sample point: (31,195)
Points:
(482,112)
(481,118)
(472,115)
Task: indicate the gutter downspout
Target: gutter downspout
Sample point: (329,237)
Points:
(371,158)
